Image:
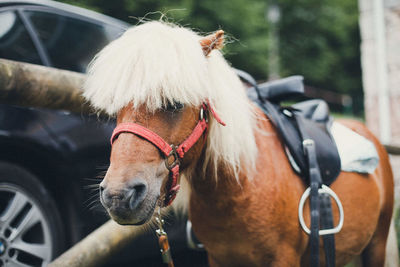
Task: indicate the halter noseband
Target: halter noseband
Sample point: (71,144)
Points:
(177,152)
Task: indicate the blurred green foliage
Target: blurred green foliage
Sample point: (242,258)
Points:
(318,38)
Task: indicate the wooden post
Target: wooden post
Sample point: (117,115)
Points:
(31,85)
(99,246)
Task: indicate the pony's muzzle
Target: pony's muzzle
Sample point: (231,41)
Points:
(121,200)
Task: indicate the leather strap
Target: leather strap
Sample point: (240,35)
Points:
(314,176)
(315,184)
(327,223)
(318,203)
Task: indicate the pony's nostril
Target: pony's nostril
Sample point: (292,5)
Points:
(101,188)
(139,192)
(140,189)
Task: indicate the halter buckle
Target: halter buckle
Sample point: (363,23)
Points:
(203,113)
(174,154)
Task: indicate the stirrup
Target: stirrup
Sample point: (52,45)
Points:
(329,191)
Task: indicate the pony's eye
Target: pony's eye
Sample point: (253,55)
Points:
(174,106)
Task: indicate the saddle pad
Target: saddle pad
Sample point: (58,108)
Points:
(357,154)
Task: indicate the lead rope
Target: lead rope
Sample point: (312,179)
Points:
(163,240)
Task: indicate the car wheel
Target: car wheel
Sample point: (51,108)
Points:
(31,232)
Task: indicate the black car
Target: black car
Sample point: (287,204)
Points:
(50,160)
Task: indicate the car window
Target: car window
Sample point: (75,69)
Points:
(15,41)
(70,43)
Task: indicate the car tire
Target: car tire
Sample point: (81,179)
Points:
(31,230)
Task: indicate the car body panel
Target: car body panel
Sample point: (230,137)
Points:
(61,7)
(65,133)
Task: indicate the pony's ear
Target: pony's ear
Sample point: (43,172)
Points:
(212,41)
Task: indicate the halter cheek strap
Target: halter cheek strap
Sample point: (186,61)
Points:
(177,152)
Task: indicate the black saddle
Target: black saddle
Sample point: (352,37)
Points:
(279,90)
(304,129)
(312,116)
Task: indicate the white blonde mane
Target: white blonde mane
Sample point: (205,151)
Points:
(158,62)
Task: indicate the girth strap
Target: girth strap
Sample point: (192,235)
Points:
(327,223)
(317,203)
(315,184)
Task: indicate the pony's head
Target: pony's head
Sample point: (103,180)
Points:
(166,84)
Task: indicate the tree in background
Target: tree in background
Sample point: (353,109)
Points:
(319,39)
(242,20)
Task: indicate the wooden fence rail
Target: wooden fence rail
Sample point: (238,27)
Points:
(98,247)
(393,149)
(31,85)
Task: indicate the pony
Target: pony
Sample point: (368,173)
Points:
(177,90)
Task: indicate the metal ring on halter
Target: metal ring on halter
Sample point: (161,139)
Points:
(203,114)
(176,158)
(327,190)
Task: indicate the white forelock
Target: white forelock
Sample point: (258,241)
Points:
(157,62)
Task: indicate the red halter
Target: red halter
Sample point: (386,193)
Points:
(168,150)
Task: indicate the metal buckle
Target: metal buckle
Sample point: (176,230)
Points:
(176,161)
(160,222)
(306,143)
(163,240)
(330,192)
(203,114)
